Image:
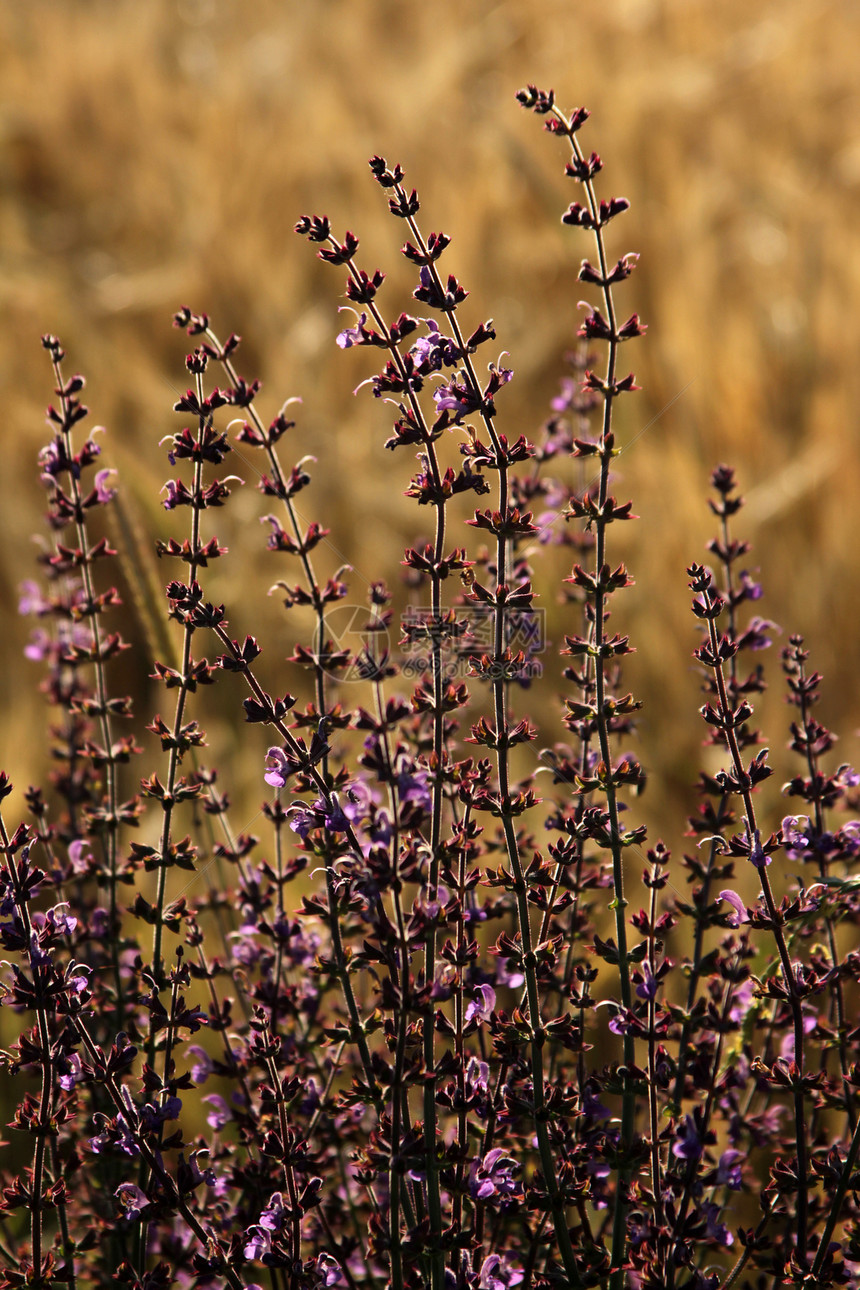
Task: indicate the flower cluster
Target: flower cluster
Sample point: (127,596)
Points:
(418,1034)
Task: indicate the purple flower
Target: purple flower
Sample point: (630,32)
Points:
(412,786)
(752,590)
(482,1006)
(301,944)
(257,1243)
(729,1169)
(302,818)
(77,977)
(599,1172)
(741,1001)
(310,1099)
(740,913)
(220,1113)
(104,492)
(456,398)
(202,1067)
(494,1177)
(648,986)
(688,1145)
(100,924)
(52,459)
(849,838)
(38,956)
(39,647)
(332,815)
(545,523)
(32,601)
(717,1231)
(116,1133)
(177,495)
(478,1075)
(353,335)
(80,856)
(380,828)
(797,836)
(509,976)
(328,1269)
(274,1215)
(569,390)
(497,1273)
(194,1174)
(132,1199)
(336,820)
(74,1075)
(758,855)
(619,1022)
(356,801)
(60,924)
(278,768)
(756,635)
(152,1116)
(433,351)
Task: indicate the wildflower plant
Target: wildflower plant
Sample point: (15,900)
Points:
(417,1035)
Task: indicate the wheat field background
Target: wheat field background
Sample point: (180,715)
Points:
(154,155)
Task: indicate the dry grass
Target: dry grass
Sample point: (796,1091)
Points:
(158,154)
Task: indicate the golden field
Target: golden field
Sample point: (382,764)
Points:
(158,154)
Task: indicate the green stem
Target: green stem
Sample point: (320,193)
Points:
(836,1203)
(42,1127)
(500,699)
(168,801)
(207,1240)
(619,903)
(111,819)
(776,923)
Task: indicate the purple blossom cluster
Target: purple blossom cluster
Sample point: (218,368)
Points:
(418,1034)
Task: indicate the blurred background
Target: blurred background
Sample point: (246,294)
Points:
(155,155)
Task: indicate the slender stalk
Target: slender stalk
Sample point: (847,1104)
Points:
(206,1238)
(459,1021)
(40,1124)
(357,1030)
(609,390)
(437,775)
(711,604)
(69,407)
(681,1206)
(653,1111)
(836,1203)
(808,739)
(396,1184)
(281,489)
(63,1219)
(500,687)
(769,1206)
(185,685)
(287,1140)
(725,550)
